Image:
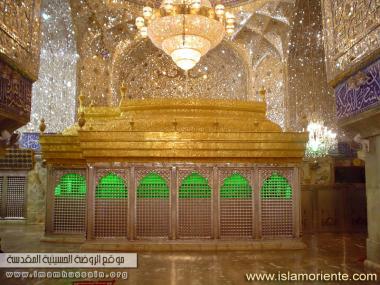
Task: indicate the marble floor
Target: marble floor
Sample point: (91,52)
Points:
(330,253)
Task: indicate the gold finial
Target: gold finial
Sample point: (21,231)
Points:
(42,125)
(304,122)
(262,93)
(123,90)
(81,120)
(81,104)
(132,123)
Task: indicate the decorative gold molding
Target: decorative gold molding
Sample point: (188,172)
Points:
(163,130)
(352,36)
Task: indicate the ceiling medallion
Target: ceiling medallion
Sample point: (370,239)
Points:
(186,29)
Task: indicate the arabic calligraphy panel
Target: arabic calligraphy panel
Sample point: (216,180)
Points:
(360,92)
(352,32)
(15,94)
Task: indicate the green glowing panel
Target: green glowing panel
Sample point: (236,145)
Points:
(276,187)
(236,187)
(194,186)
(71,185)
(153,186)
(111,186)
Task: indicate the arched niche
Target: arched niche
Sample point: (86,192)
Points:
(149,73)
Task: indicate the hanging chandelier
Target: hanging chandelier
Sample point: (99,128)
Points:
(321,140)
(186,29)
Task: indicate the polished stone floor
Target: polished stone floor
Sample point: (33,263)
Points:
(330,253)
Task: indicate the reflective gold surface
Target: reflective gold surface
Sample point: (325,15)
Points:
(20,35)
(100,36)
(352,33)
(149,73)
(182,130)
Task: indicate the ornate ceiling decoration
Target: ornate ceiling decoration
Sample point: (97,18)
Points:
(149,73)
(157,3)
(108,56)
(20,35)
(54,93)
(186,29)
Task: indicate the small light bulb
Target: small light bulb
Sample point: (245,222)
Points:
(140,22)
(230,31)
(219,10)
(147,12)
(144,32)
(196,4)
(168,5)
(230,18)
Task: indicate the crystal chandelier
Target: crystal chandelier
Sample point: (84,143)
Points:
(321,140)
(186,29)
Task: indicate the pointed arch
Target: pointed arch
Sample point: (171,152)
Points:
(236,186)
(152,207)
(194,207)
(71,185)
(194,186)
(111,207)
(276,187)
(111,186)
(276,207)
(70,204)
(236,207)
(153,186)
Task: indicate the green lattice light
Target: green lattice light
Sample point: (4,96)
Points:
(236,186)
(71,185)
(153,186)
(276,187)
(194,186)
(111,186)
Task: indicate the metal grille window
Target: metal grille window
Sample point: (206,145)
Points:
(276,207)
(17,159)
(236,207)
(152,207)
(15,203)
(111,206)
(12,196)
(194,207)
(70,204)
